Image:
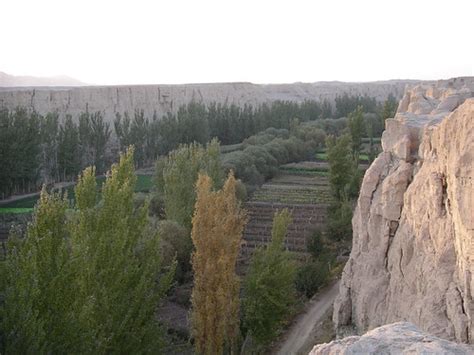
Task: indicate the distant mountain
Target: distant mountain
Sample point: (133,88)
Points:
(7,80)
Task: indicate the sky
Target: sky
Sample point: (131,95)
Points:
(175,41)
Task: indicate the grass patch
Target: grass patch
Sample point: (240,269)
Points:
(4,210)
(144,183)
(322,156)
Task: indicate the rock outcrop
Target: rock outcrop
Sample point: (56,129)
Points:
(413,242)
(167,98)
(393,339)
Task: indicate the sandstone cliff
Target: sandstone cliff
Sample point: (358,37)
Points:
(168,98)
(413,244)
(393,339)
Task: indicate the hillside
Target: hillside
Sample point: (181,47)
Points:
(413,240)
(7,81)
(168,98)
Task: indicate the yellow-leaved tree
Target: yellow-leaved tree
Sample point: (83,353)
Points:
(218,223)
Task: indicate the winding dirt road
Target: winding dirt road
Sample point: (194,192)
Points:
(299,333)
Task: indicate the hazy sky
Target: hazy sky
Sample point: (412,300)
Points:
(175,41)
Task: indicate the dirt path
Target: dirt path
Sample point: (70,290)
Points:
(298,334)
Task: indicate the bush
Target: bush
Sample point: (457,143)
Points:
(340,221)
(311,276)
(177,243)
(315,245)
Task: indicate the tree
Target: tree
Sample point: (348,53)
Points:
(36,314)
(176,177)
(68,149)
(356,129)
(269,286)
(340,164)
(389,108)
(89,283)
(218,223)
(117,265)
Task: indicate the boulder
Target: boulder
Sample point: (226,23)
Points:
(397,338)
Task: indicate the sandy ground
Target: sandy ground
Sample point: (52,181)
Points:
(299,336)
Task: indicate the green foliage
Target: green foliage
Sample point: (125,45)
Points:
(339,225)
(311,276)
(177,174)
(36,315)
(315,244)
(340,164)
(263,153)
(345,104)
(176,243)
(94,133)
(20,151)
(389,108)
(69,162)
(269,285)
(356,129)
(89,283)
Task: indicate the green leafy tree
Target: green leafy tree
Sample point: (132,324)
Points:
(340,164)
(68,149)
(117,261)
(89,283)
(269,285)
(356,128)
(36,314)
(218,224)
(389,108)
(177,174)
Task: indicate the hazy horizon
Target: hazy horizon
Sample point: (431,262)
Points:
(269,42)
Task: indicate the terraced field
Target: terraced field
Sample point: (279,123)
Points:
(297,188)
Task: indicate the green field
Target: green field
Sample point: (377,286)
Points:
(144,184)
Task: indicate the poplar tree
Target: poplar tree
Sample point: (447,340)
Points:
(36,313)
(86,281)
(177,174)
(218,223)
(269,287)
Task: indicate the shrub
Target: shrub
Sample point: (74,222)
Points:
(339,225)
(311,276)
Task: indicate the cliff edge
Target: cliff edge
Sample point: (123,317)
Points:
(412,257)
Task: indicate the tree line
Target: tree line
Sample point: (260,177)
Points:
(36,149)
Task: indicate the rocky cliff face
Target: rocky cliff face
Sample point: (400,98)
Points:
(413,244)
(398,338)
(168,98)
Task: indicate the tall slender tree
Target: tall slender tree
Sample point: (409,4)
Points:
(218,223)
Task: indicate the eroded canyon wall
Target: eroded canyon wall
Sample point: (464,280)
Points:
(413,242)
(167,98)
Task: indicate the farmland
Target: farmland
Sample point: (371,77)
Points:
(303,188)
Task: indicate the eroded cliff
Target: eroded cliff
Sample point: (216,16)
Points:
(413,243)
(167,98)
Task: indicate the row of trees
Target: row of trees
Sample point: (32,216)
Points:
(37,149)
